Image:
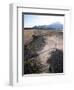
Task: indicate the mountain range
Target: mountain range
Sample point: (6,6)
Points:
(53,26)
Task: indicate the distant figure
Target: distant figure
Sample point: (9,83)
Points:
(34,37)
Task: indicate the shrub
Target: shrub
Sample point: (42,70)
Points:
(56,61)
(32,66)
(32,63)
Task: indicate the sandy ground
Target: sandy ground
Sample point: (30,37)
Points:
(51,43)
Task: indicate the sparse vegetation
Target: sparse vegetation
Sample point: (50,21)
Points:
(32,63)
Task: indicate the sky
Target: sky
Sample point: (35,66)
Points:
(32,20)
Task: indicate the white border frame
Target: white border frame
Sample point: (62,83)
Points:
(16,10)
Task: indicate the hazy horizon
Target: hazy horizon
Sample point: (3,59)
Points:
(36,20)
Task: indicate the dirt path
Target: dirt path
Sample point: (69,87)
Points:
(51,43)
